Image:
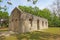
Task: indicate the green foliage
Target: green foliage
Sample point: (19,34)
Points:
(0,7)
(45,13)
(0,0)
(28,0)
(4,15)
(34,1)
(5,6)
(9,3)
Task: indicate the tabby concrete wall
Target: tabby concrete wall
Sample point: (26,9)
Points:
(24,22)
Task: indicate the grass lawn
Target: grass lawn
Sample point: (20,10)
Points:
(54,30)
(3,29)
(53,33)
(11,38)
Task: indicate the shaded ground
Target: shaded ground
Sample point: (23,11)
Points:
(32,36)
(38,36)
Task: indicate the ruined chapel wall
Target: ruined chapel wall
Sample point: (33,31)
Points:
(25,22)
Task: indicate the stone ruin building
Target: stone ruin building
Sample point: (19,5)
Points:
(22,22)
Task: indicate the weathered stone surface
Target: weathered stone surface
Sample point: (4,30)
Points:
(24,22)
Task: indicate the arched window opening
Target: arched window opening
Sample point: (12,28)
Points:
(16,20)
(46,23)
(30,22)
(12,20)
(38,24)
(43,23)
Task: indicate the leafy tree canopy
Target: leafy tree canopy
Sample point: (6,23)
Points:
(53,20)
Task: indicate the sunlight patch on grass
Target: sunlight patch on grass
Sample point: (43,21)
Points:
(54,30)
(11,38)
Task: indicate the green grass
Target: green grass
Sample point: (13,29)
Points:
(3,29)
(11,38)
(53,30)
(37,35)
(51,33)
(48,34)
